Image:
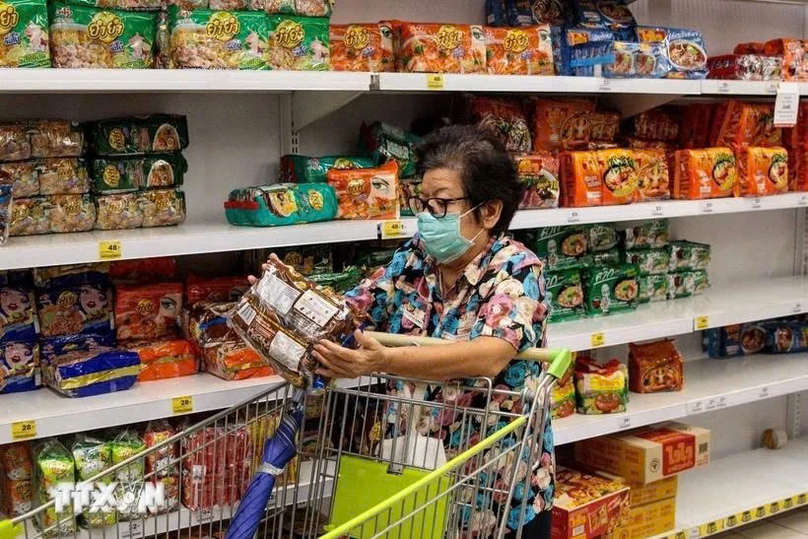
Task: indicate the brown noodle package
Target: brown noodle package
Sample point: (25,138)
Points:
(655,367)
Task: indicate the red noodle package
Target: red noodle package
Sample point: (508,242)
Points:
(737,124)
(215,289)
(143,270)
(148,311)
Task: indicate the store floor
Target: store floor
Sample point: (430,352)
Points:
(791,524)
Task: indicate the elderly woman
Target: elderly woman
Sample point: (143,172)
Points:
(460,278)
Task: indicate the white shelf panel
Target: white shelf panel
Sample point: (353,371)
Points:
(739,303)
(736,490)
(710,384)
(56,81)
(741,87)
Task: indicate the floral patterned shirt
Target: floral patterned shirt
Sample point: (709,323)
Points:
(501,293)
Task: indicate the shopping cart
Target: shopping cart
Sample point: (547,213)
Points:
(374,459)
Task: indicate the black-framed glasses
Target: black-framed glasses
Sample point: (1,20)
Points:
(437,207)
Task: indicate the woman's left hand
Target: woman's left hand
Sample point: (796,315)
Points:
(341,362)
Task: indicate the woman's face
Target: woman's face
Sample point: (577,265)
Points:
(93,301)
(13,303)
(446,183)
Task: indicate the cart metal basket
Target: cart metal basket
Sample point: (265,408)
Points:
(374,459)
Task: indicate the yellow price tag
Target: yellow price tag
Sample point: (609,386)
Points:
(711,528)
(391,230)
(23,430)
(702,322)
(434,82)
(109,250)
(182,405)
(598,339)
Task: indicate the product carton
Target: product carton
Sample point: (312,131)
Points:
(588,505)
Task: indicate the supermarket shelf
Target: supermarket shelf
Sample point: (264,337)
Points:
(734,491)
(742,87)
(710,384)
(735,304)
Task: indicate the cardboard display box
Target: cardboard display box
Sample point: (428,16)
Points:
(588,505)
(648,520)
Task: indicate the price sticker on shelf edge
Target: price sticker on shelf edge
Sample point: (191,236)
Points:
(755,203)
(786,104)
(434,82)
(110,250)
(598,339)
(707,207)
(573,216)
(392,230)
(133,530)
(657,211)
(701,322)
(605,85)
(802,201)
(23,430)
(724,88)
(182,405)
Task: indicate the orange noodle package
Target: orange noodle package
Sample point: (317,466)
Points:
(618,168)
(368,193)
(707,173)
(581,180)
(519,51)
(538,172)
(504,117)
(362,47)
(604,126)
(655,367)
(745,124)
(169,358)
(562,125)
(656,124)
(653,175)
(284,314)
(761,171)
(148,311)
(442,48)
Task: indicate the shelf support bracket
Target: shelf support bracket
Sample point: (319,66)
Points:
(308,107)
(632,104)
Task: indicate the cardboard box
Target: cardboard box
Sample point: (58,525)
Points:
(648,520)
(648,454)
(588,505)
(654,492)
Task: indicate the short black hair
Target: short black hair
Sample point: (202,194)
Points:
(486,169)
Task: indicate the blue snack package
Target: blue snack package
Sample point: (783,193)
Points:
(685,48)
(568,37)
(524,12)
(611,14)
(496,13)
(18,319)
(71,275)
(57,346)
(84,369)
(79,309)
(787,336)
(620,59)
(19,366)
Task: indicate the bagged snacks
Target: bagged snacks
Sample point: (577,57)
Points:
(15,461)
(407,189)
(163,462)
(656,124)
(736,124)
(203,39)
(298,43)
(362,47)
(745,67)
(18,320)
(611,14)
(21,177)
(119,211)
(92,456)
(169,358)
(611,290)
(385,142)
(562,125)
(119,174)
(581,178)
(604,126)
(303,169)
(143,270)
(653,178)
(71,213)
(53,277)
(89,370)
(688,256)
(235,360)
(215,289)
(505,118)
(442,48)
(81,37)
(686,52)
(565,294)
(16,497)
(126,445)
(53,464)
(696,119)
(653,288)
(606,258)
(162,207)
(305,260)
(687,283)
(618,169)
(649,261)
(75,309)
(563,397)
(140,135)
(649,235)
(206,323)
(707,173)
(281,204)
(339,282)
(524,12)
(29,216)
(519,51)
(792,51)
(620,59)
(62,176)
(147,311)
(538,171)
(655,367)
(14,142)
(562,247)
(761,171)
(25,34)
(308,8)
(366,193)
(601,388)
(19,366)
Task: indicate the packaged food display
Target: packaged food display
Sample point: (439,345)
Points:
(523,13)
(203,39)
(406,189)
(736,124)
(169,358)
(792,51)
(611,290)
(519,51)
(308,8)
(686,51)
(565,294)
(62,176)
(442,48)
(688,256)
(563,398)
(281,204)
(707,173)
(602,237)
(28,216)
(612,14)
(19,366)
(78,42)
(787,336)
(653,176)
(162,207)
(648,235)
(362,47)
(143,270)
(655,367)
(25,34)
(369,193)
(53,277)
(119,211)
(91,457)
(76,309)
(687,283)
(206,323)
(505,118)
(604,126)
(562,125)
(761,171)
(18,320)
(270,318)
(140,135)
(562,247)
(750,47)
(298,43)
(647,447)
(653,288)
(606,258)
(14,142)
(16,488)
(120,174)
(71,213)
(53,464)
(234,360)
(620,59)
(21,177)
(88,370)
(656,124)
(339,282)
(16,461)
(564,39)
(385,142)
(581,178)
(588,505)
(215,289)
(538,171)
(162,463)
(618,170)
(5,212)
(600,388)
(303,169)
(696,121)
(649,261)
(147,311)
(745,67)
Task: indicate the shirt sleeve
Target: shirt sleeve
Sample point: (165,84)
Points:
(514,308)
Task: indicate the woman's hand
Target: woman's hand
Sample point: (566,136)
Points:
(252,279)
(340,362)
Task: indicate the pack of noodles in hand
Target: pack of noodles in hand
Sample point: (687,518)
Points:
(284,314)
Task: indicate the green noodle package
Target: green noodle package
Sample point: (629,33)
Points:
(612,289)
(565,295)
(298,43)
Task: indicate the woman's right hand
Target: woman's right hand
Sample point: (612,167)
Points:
(252,279)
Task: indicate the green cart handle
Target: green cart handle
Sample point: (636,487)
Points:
(9,530)
(562,358)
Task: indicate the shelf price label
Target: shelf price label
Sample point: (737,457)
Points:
(605,85)
(657,211)
(434,82)
(392,230)
(695,407)
(23,430)
(182,405)
(755,203)
(724,88)
(701,322)
(110,250)
(707,207)
(801,499)
(802,201)
(598,339)
(786,104)
(771,88)
(624,423)
(134,530)
(574,216)
(764,393)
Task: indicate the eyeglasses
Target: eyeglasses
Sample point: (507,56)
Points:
(435,206)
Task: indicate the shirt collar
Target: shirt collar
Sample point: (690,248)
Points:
(475,269)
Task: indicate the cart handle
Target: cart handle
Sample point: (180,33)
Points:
(559,358)
(9,530)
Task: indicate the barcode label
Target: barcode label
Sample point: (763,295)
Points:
(246,313)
